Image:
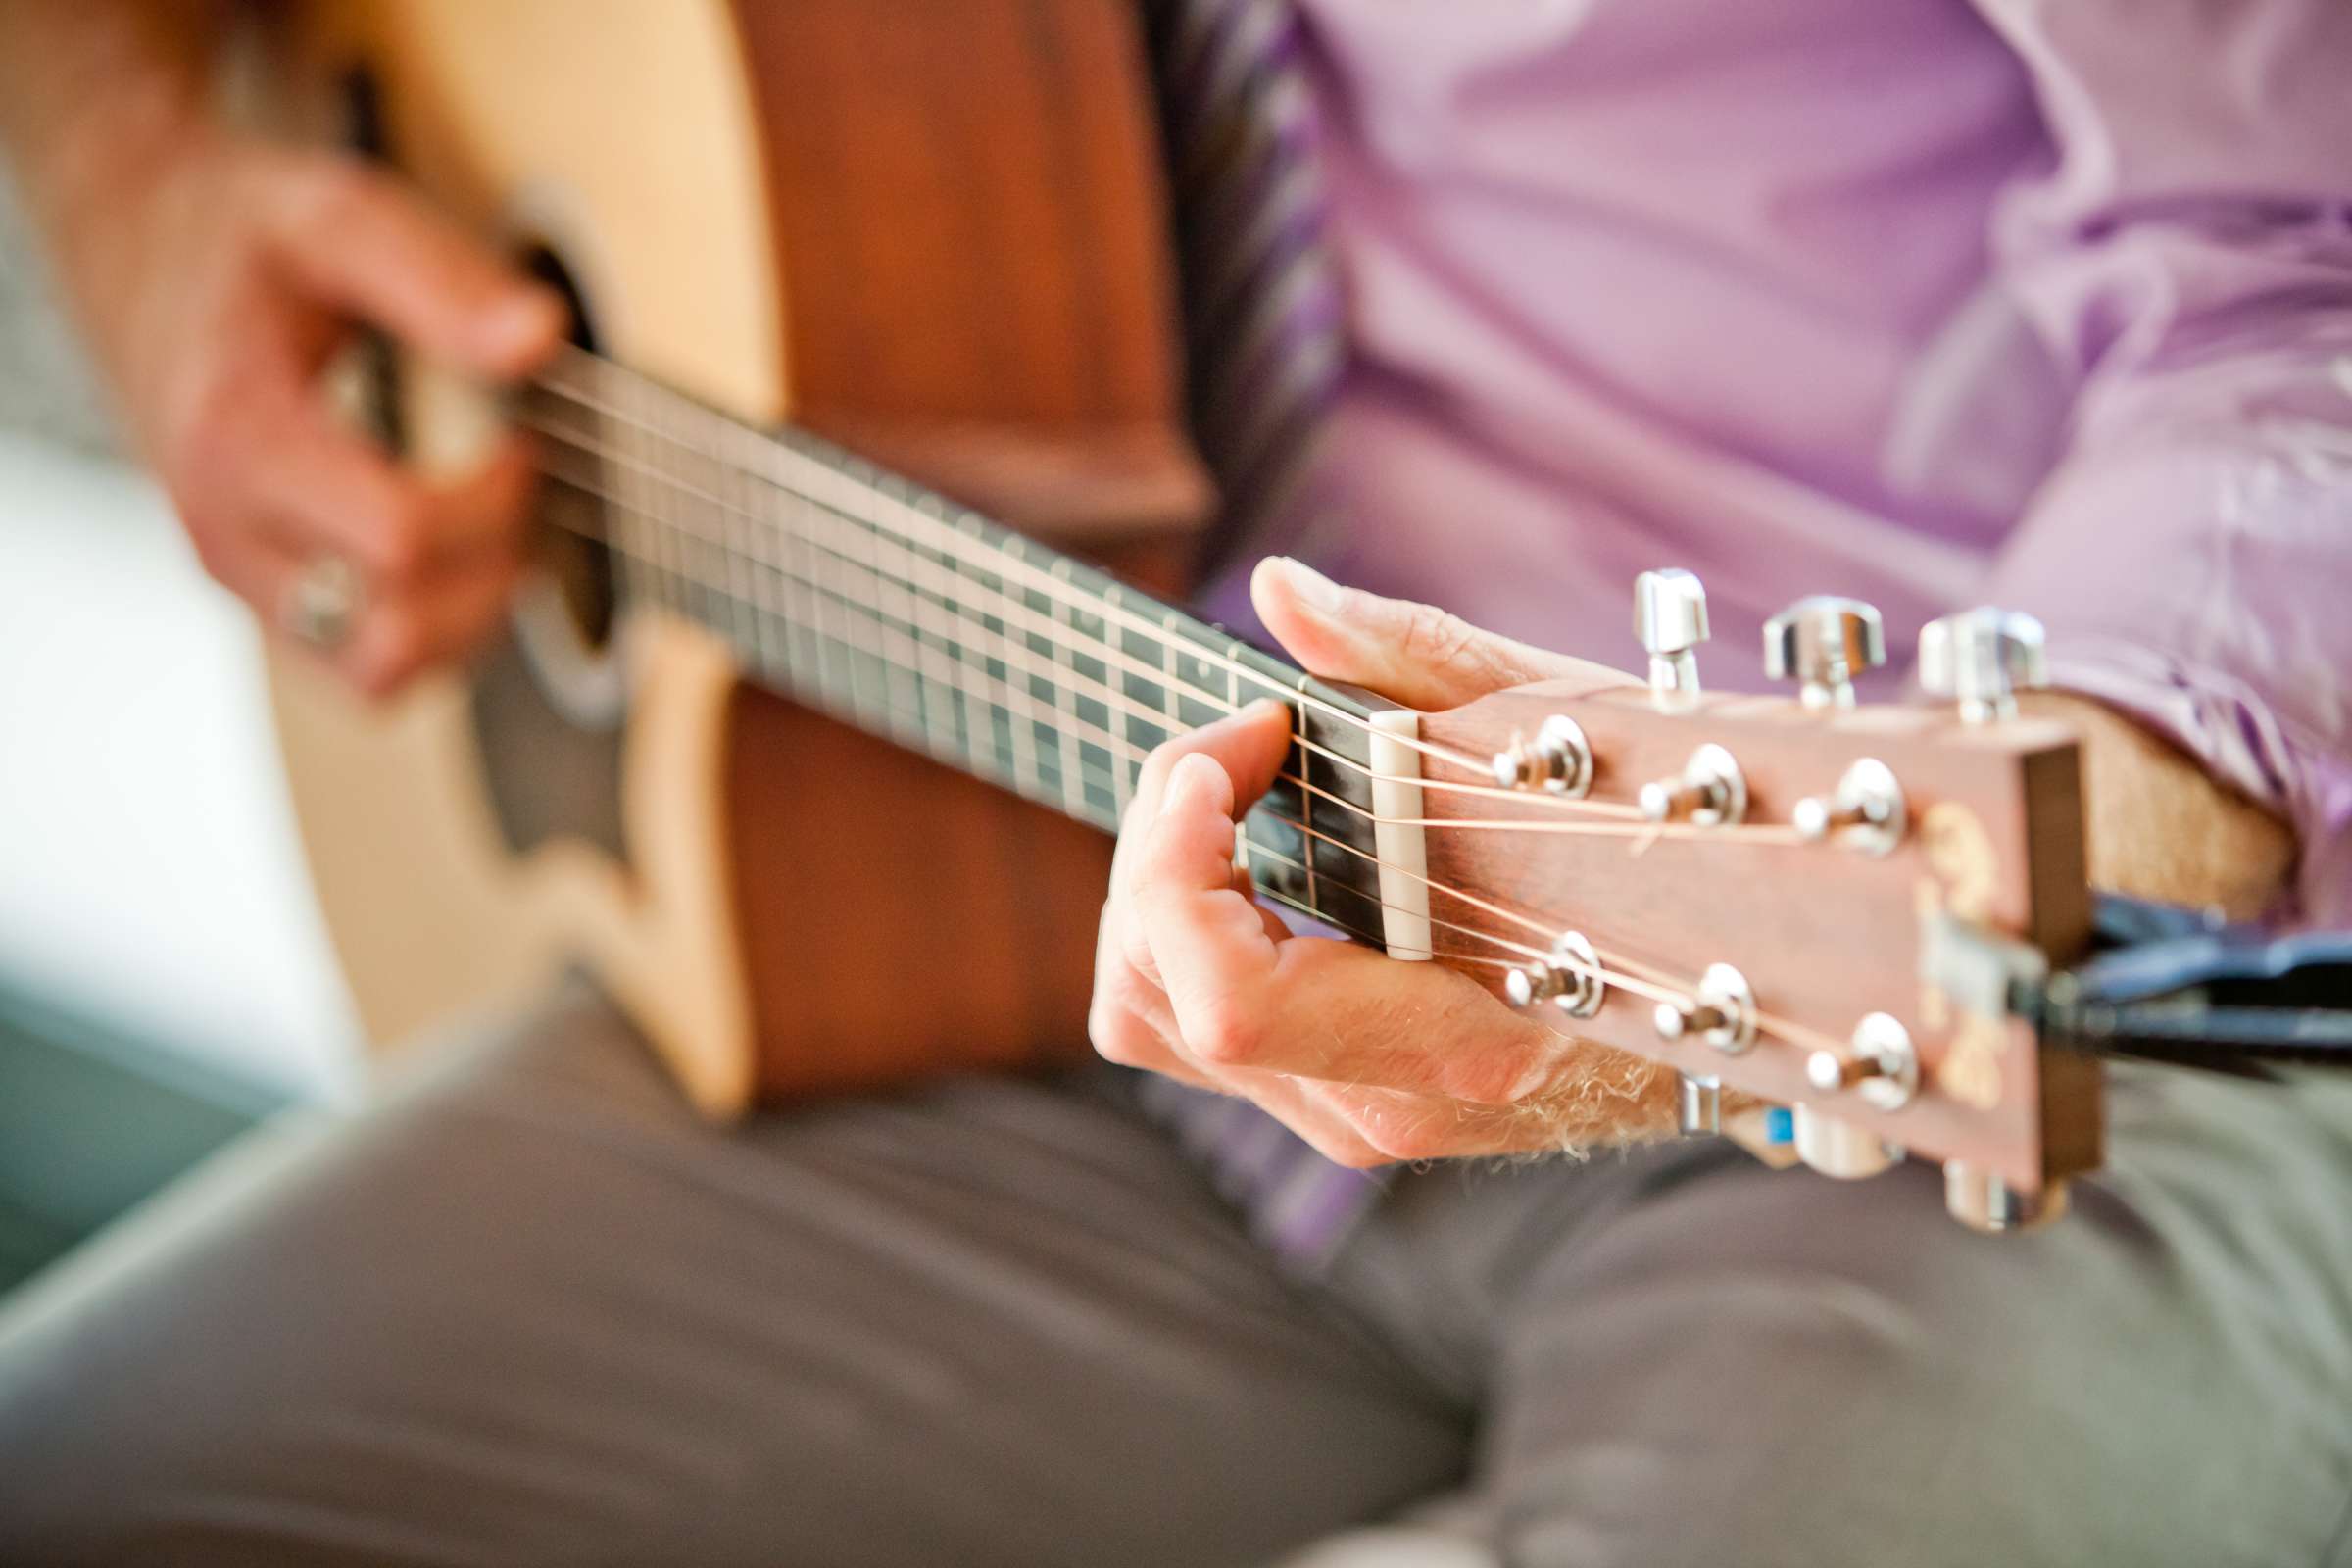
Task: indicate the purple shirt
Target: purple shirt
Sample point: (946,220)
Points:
(1929,302)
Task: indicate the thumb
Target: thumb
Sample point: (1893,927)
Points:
(1412,653)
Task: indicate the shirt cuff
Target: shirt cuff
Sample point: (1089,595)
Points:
(2240,740)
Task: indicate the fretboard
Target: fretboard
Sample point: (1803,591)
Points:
(889,608)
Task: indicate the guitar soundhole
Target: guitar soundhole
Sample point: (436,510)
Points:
(548,699)
(570,547)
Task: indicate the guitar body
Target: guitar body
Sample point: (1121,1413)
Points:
(796,211)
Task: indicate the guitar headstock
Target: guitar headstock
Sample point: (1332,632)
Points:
(1761,892)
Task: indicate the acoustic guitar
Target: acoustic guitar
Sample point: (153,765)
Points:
(811,738)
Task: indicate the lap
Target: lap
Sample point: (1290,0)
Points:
(529,1309)
(1686,1357)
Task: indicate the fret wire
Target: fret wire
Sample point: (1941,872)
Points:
(771,624)
(893,674)
(831,639)
(1070,750)
(1306,809)
(1024,726)
(1020,712)
(1019,719)
(1116,646)
(829,476)
(797,540)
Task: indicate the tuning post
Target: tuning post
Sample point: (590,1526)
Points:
(1670,619)
(1880,1065)
(1723,1012)
(1840,1149)
(1701,1104)
(1711,792)
(1822,642)
(1569,978)
(1865,812)
(1980,658)
(1557,761)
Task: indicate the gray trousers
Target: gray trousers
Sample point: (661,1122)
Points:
(527,1310)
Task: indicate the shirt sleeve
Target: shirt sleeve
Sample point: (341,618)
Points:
(2187,258)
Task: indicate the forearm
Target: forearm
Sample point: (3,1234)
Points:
(90,91)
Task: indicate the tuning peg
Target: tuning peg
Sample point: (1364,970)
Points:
(1670,618)
(1880,1065)
(1569,978)
(1982,1201)
(1867,811)
(1824,642)
(1980,657)
(1710,791)
(1723,1012)
(1557,761)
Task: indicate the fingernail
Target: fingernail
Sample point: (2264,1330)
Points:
(1186,779)
(1318,591)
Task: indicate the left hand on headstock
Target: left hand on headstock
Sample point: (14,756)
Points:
(1369,1058)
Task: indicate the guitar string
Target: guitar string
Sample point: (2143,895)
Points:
(1645,833)
(1368,938)
(1003,560)
(1616,970)
(902,497)
(1111,743)
(1793,1034)
(1049,586)
(1076,681)
(1100,609)
(1010,610)
(1612,970)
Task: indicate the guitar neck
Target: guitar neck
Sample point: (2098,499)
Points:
(892,609)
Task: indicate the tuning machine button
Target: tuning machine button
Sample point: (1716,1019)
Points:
(1822,642)
(1569,978)
(1711,792)
(1723,1013)
(1867,811)
(1880,1065)
(1983,1201)
(1840,1149)
(1670,618)
(1557,761)
(1980,658)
